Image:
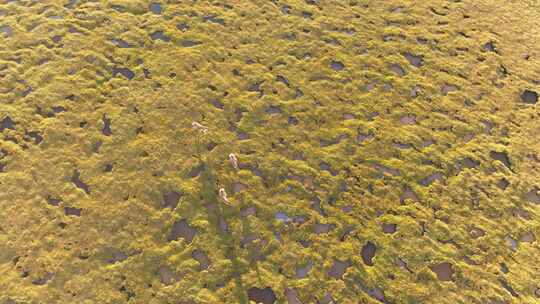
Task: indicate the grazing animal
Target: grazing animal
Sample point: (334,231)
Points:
(223,196)
(233,160)
(198,126)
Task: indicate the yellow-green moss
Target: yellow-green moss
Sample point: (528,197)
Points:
(355,141)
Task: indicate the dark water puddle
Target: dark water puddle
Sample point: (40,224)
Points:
(201,257)
(171,199)
(389,228)
(160,35)
(292,296)
(106,126)
(302,272)
(214,19)
(530,97)
(444,271)
(7,123)
(339,268)
(189,43)
(415,60)
(397,69)
(156,8)
(533,196)
(368,253)
(121,43)
(124,72)
(53,201)
(264,296)
(166,275)
(117,257)
(502,157)
(181,229)
(323,228)
(71,211)
(76,179)
(337,65)
(437,176)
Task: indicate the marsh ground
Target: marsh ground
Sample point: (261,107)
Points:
(384,151)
